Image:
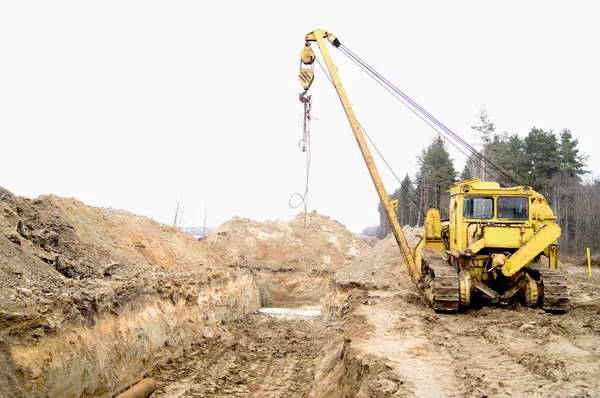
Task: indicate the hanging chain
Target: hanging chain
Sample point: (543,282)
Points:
(305,141)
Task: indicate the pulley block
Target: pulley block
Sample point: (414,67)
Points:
(307,55)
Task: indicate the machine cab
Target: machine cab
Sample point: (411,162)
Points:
(484,210)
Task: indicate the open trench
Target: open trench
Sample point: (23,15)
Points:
(210,342)
(96,300)
(270,357)
(217,342)
(299,344)
(270,352)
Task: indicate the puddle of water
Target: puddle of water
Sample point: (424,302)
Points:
(274,310)
(308,312)
(290,311)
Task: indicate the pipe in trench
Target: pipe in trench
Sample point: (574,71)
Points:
(143,389)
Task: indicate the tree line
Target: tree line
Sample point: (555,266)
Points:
(551,163)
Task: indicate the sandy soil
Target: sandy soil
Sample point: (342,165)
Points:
(94,299)
(265,356)
(484,352)
(308,242)
(63,260)
(380,267)
(71,273)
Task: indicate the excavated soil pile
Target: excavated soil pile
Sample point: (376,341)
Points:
(312,242)
(380,267)
(63,261)
(70,271)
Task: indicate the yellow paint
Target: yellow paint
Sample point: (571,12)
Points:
(531,249)
(589,262)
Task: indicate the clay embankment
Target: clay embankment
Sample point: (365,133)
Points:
(93,298)
(294,261)
(268,355)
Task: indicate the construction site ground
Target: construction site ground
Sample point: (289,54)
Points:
(92,300)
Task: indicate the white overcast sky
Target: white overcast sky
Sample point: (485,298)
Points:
(137,104)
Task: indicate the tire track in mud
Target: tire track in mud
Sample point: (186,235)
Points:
(497,352)
(264,357)
(491,352)
(478,363)
(400,338)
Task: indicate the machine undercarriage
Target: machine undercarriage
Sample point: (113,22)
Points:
(449,289)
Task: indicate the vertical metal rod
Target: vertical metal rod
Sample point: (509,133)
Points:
(589,262)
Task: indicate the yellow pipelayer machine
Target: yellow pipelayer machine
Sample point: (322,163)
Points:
(499,243)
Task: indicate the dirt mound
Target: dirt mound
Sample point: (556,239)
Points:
(380,267)
(87,290)
(85,239)
(312,242)
(60,250)
(370,240)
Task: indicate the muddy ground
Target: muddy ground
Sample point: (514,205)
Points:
(265,356)
(486,352)
(381,340)
(93,300)
(483,352)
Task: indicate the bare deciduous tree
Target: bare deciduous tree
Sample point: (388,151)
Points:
(177,214)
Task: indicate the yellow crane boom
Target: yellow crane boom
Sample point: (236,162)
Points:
(319,37)
(494,243)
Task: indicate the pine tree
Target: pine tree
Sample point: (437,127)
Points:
(571,162)
(472,168)
(435,176)
(507,154)
(562,190)
(407,207)
(542,154)
(407,210)
(515,161)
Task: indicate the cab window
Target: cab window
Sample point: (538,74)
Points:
(512,208)
(478,207)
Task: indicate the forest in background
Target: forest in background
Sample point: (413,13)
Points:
(551,163)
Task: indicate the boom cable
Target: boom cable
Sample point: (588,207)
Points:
(377,149)
(426,121)
(396,92)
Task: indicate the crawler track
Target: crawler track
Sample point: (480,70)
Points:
(553,287)
(443,285)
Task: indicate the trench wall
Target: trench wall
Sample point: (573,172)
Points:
(119,350)
(341,370)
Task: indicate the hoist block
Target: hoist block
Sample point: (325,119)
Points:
(306,77)
(307,55)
